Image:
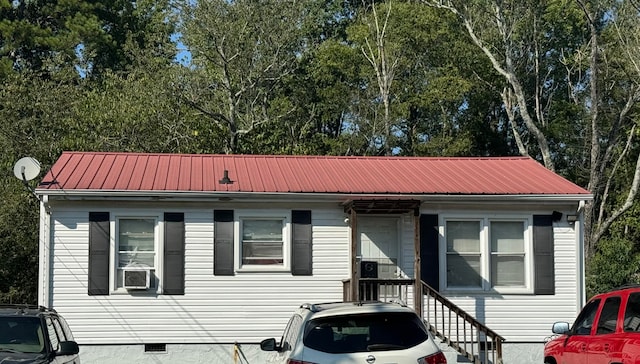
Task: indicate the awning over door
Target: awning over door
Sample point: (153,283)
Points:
(382,206)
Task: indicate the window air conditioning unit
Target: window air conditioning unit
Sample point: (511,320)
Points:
(368,269)
(136,278)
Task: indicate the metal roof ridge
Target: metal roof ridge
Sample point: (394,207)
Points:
(305,156)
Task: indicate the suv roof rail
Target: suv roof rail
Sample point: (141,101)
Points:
(630,285)
(317,307)
(23,307)
(309,306)
(398,302)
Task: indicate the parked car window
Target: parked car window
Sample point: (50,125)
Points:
(584,322)
(364,332)
(290,335)
(22,334)
(53,335)
(59,329)
(632,313)
(65,328)
(609,316)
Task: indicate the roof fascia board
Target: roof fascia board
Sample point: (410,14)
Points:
(263,196)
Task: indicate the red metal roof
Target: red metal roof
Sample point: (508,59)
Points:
(97,171)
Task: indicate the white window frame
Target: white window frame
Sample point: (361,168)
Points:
(485,253)
(158,249)
(285,217)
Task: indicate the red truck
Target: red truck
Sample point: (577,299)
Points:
(607,331)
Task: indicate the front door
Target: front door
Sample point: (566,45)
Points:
(378,243)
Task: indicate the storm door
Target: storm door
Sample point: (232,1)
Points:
(378,247)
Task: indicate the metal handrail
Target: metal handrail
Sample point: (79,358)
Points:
(461,331)
(448,322)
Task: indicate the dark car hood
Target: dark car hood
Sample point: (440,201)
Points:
(23,358)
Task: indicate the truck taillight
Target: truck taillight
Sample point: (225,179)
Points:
(437,358)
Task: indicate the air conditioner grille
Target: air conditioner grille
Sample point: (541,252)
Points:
(136,279)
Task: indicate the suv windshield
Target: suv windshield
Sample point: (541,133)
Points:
(21,334)
(365,332)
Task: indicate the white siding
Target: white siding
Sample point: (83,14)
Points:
(249,307)
(246,307)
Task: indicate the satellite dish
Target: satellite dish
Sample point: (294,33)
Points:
(26,169)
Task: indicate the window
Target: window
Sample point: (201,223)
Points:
(507,253)
(136,246)
(632,313)
(54,334)
(145,242)
(361,333)
(584,321)
(290,335)
(463,254)
(487,254)
(609,316)
(263,241)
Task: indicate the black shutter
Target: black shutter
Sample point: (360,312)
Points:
(543,255)
(99,236)
(301,248)
(173,278)
(429,241)
(223,242)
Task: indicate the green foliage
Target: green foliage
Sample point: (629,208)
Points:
(32,32)
(243,52)
(18,242)
(616,263)
(46,36)
(124,102)
(617,259)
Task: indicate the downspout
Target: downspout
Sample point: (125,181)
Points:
(44,247)
(579,232)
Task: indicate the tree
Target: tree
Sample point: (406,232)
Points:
(384,57)
(81,37)
(614,100)
(242,51)
(418,74)
(523,38)
(42,35)
(30,112)
(51,101)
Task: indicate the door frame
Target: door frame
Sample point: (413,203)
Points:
(354,208)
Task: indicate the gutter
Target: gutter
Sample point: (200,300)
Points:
(101,195)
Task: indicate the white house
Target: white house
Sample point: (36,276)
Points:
(196,258)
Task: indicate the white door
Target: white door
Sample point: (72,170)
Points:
(378,242)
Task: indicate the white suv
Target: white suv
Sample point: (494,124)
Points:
(354,332)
